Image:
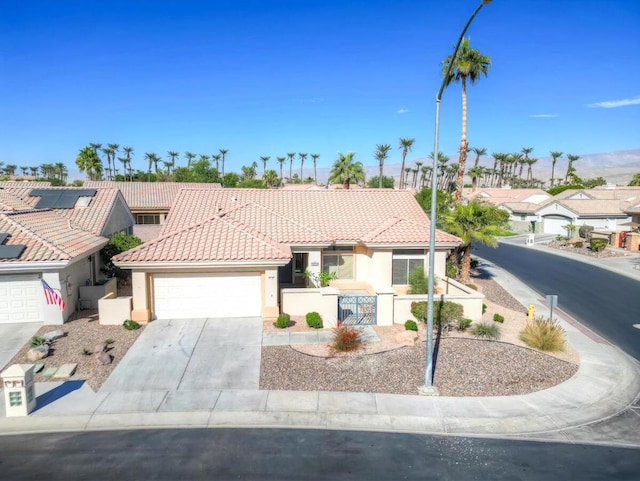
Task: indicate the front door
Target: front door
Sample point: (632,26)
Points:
(299,267)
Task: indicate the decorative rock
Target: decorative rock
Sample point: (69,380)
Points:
(37,353)
(103,358)
(99,348)
(406,338)
(53,335)
(66,370)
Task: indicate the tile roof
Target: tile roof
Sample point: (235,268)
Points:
(46,235)
(149,195)
(12,203)
(224,224)
(498,195)
(593,206)
(521,207)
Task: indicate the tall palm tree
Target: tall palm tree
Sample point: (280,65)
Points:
(281,161)
(406,144)
(382,152)
(264,159)
(291,156)
(87,161)
(479,151)
(114,151)
(61,171)
(190,156)
(415,171)
(555,156)
(570,169)
(24,170)
(468,64)
(406,174)
(149,157)
(216,158)
(494,171)
(223,153)
(474,174)
(530,163)
(109,152)
(127,167)
(345,170)
(95,147)
(173,155)
(315,158)
(123,160)
(303,157)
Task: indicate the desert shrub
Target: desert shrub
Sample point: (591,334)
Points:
(472,286)
(579,244)
(109,341)
(598,244)
(131,325)
(498,318)
(463,324)
(445,314)
(484,308)
(419,310)
(411,325)
(39,341)
(585,230)
(474,263)
(418,282)
(314,320)
(283,321)
(86,352)
(452,270)
(486,331)
(544,334)
(346,338)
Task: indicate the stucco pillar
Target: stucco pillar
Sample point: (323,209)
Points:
(141,290)
(270,308)
(314,264)
(329,311)
(384,307)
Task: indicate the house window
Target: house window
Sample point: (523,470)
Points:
(403,262)
(338,260)
(148,219)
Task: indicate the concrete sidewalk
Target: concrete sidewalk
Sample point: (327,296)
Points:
(607,382)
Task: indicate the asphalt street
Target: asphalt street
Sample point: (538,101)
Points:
(276,454)
(606,302)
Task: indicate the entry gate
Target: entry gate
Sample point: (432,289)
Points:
(357,310)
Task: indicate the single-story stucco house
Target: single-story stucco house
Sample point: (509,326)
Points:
(250,252)
(53,234)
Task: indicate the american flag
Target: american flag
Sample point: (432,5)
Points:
(52,296)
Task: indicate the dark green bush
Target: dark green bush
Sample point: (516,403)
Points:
(463,324)
(598,245)
(131,325)
(484,308)
(39,341)
(418,282)
(444,313)
(314,320)
(579,244)
(411,326)
(474,263)
(498,318)
(284,320)
(346,338)
(452,270)
(486,331)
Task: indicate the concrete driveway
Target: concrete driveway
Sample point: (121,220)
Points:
(13,336)
(192,354)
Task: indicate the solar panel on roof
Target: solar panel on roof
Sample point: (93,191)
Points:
(11,252)
(3,237)
(60,198)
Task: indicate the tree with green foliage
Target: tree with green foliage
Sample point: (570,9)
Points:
(555,156)
(346,171)
(443,204)
(382,152)
(406,144)
(314,158)
(118,243)
(476,222)
(635,181)
(468,64)
(230,179)
(270,178)
(387,182)
(223,153)
(89,162)
(570,168)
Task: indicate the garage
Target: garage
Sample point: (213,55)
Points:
(555,225)
(190,296)
(21,299)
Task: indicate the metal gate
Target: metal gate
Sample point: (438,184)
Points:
(357,310)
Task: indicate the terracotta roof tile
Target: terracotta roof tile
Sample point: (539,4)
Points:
(12,203)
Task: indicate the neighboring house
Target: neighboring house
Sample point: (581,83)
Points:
(632,238)
(149,202)
(603,208)
(247,252)
(53,234)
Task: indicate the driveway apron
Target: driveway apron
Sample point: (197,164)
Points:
(15,335)
(192,354)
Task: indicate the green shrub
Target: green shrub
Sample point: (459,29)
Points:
(585,230)
(109,341)
(411,325)
(86,352)
(445,314)
(484,308)
(131,325)
(543,334)
(39,341)
(418,282)
(452,270)
(463,324)
(284,320)
(314,320)
(486,331)
(346,338)
(498,318)
(579,244)
(474,263)
(598,245)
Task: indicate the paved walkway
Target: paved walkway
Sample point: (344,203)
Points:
(13,337)
(607,382)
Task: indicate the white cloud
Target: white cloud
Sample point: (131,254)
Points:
(543,116)
(402,111)
(612,104)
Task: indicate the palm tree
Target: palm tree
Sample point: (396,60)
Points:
(415,171)
(281,161)
(530,163)
(302,156)
(61,171)
(150,158)
(494,171)
(570,169)
(315,157)
(474,222)
(223,153)
(217,158)
(24,170)
(109,152)
(382,152)
(173,155)
(406,144)
(128,151)
(114,151)
(479,151)
(124,166)
(87,161)
(555,155)
(345,170)
(34,170)
(190,156)
(270,178)
(406,174)
(95,147)
(264,159)
(10,169)
(475,173)
(468,64)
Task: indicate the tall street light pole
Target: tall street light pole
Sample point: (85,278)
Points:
(428,388)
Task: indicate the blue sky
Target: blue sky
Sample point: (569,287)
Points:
(266,77)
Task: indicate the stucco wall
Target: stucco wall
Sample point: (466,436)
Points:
(120,219)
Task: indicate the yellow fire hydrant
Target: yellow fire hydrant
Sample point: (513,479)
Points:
(531,312)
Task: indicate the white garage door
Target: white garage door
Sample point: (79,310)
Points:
(20,299)
(207,295)
(555,225)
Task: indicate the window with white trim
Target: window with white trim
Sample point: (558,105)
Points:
(338,260)
(403,262)
(148,219)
